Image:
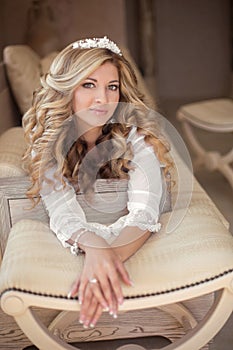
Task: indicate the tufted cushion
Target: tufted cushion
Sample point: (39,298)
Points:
(12,148)
(24,68)
(201,243)
(23,71)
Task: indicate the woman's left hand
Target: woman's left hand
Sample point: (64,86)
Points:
(100,281)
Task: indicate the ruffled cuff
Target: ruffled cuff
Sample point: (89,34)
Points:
(139,218)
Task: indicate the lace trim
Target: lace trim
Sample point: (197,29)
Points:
(139,218)
(136,217)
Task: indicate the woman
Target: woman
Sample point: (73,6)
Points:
(89,120)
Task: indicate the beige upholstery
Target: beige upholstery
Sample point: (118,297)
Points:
(213,115)
(23,70)
(12,148)
(201,244)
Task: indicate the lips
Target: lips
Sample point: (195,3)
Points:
(99,111)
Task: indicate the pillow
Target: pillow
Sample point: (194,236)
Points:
(23,72)
(24,68)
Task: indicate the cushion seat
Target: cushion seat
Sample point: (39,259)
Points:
(213,115)
(201,244)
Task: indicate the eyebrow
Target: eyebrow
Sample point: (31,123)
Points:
(112,81)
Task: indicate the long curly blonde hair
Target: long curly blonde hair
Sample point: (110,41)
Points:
(50,129)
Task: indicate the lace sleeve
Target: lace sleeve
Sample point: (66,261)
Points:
(145,189)
(65,213)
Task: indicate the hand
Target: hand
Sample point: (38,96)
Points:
(104,265)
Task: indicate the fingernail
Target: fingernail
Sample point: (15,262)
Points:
(80,302)
(120,301)
(81,321)
(106,308)
(111,313)
(85,326)
(69,295)
(114,315)
(132,283)
(92,325)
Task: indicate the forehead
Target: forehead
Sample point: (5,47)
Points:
(107,69)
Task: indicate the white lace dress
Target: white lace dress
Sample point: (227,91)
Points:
(144,197)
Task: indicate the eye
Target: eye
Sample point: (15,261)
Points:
(113,87)
(88,85)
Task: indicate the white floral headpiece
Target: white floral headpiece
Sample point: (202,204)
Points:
(102,43)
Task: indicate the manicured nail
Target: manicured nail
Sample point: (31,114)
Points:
(85,326)
(106,309)
(81,321)
(111,313)
(92,325)
(120,301)
(131,283)
(69,295)
(114,315)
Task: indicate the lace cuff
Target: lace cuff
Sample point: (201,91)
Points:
(139,218)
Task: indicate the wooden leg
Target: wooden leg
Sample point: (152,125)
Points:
(209,326)
(39,334)
(199,151)
(210,159)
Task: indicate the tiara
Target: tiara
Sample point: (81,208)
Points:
(101,43)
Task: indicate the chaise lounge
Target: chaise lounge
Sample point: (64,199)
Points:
(183,280)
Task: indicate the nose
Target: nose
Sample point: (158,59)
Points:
(101,96)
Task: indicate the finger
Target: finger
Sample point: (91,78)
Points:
(74,289)
(116,287)
(107,292)
(81,290)
(91,312)
(98,293)
(115,308)
(96,316)
(123,273)
(87,300)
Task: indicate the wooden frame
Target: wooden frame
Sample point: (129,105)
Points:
(14,204)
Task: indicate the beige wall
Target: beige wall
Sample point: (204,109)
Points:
(74,19)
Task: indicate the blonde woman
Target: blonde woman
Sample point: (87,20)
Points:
(89,120)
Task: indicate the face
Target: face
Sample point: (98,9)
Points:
(96,98)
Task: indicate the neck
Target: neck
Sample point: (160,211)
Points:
(91,136)
(88,133)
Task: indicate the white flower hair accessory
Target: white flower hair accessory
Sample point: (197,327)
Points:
(101,43)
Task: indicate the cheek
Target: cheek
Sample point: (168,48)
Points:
(115,97)
(80,101)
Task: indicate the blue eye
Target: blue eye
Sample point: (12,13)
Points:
(88,85)
(113,87)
